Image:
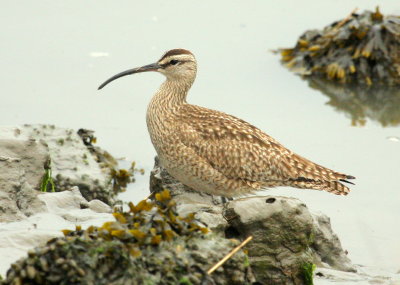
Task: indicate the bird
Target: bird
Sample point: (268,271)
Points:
(217,153)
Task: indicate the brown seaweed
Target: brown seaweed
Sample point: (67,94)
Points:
(148,244)
(361,49)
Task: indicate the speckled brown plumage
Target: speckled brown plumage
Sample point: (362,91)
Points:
(218,153)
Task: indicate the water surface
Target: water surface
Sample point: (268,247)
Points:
(55,53)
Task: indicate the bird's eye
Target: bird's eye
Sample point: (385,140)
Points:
(173,61)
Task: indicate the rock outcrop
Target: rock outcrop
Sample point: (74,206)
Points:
(29,217)
(57,211)
(22,168)
(72,163)
(287,236)
(148,244)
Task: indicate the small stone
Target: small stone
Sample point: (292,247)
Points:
(16,267)
(73,263)
(43,263)
(60,261)
(17,281)
(31,253)
(30,261)
(22,273)
(31,272)
(60,242)
(80,271)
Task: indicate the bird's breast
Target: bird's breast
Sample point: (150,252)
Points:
(161,125)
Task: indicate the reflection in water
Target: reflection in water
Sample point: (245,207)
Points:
(378,103)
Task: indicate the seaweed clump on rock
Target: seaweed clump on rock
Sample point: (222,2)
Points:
(362,49)
(149,244)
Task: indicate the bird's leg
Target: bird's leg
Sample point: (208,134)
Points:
(222,201)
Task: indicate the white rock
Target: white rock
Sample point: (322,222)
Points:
(22,168)
(99,206)
(72,164)
(62,211)
(364,276)
(28,217)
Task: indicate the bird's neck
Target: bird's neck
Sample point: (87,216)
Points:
(172,93)
(164,106)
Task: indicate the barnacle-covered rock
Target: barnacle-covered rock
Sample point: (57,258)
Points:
(362,49)
(149,244)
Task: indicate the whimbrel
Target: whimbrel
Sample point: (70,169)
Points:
(216,153)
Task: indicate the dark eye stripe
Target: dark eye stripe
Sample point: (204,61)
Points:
(169,63)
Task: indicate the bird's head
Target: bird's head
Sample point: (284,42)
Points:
(176,65)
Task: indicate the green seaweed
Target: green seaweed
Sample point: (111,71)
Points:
(311,238)
(47,178)
(246,260)
(307,270)
(184,281)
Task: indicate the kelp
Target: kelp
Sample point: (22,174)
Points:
(119,177)
(361,49)
(147,223)
(150,243)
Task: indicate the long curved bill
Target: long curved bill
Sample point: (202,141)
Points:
(150,67)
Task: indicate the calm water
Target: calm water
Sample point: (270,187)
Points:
(54,54)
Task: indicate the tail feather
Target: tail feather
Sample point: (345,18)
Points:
(304,173)
(302,167)
(334,187)
(346,181)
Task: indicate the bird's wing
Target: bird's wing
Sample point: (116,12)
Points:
(238,149)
